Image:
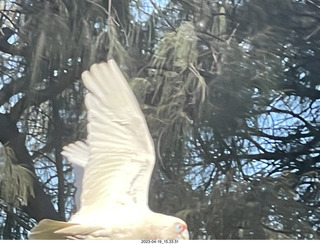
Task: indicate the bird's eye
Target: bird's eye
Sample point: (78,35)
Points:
(178,228)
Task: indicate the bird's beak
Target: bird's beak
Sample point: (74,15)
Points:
(184,235)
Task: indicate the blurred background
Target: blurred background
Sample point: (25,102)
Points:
(230,90)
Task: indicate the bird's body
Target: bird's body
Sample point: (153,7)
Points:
(118,159)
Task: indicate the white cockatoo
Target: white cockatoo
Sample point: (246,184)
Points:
(118,159)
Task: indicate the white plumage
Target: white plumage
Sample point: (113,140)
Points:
(118,158)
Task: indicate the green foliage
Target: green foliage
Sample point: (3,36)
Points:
(16,182)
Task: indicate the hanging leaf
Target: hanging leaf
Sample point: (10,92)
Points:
(16,182)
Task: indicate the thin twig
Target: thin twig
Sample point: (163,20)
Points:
(163,16)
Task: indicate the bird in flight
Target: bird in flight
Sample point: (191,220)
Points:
(118,159)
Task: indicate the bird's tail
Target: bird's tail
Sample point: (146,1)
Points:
(48,229)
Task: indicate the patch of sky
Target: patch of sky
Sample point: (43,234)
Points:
(284,116)
(142,9)
(12,39)
(198,174)
(5,108)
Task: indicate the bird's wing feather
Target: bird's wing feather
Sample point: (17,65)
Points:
(48,229)
(121,150)
(77,153)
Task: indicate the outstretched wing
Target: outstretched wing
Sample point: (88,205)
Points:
(121,150)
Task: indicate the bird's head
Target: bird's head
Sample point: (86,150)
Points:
(166,227)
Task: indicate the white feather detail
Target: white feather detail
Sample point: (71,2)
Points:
(118,154)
